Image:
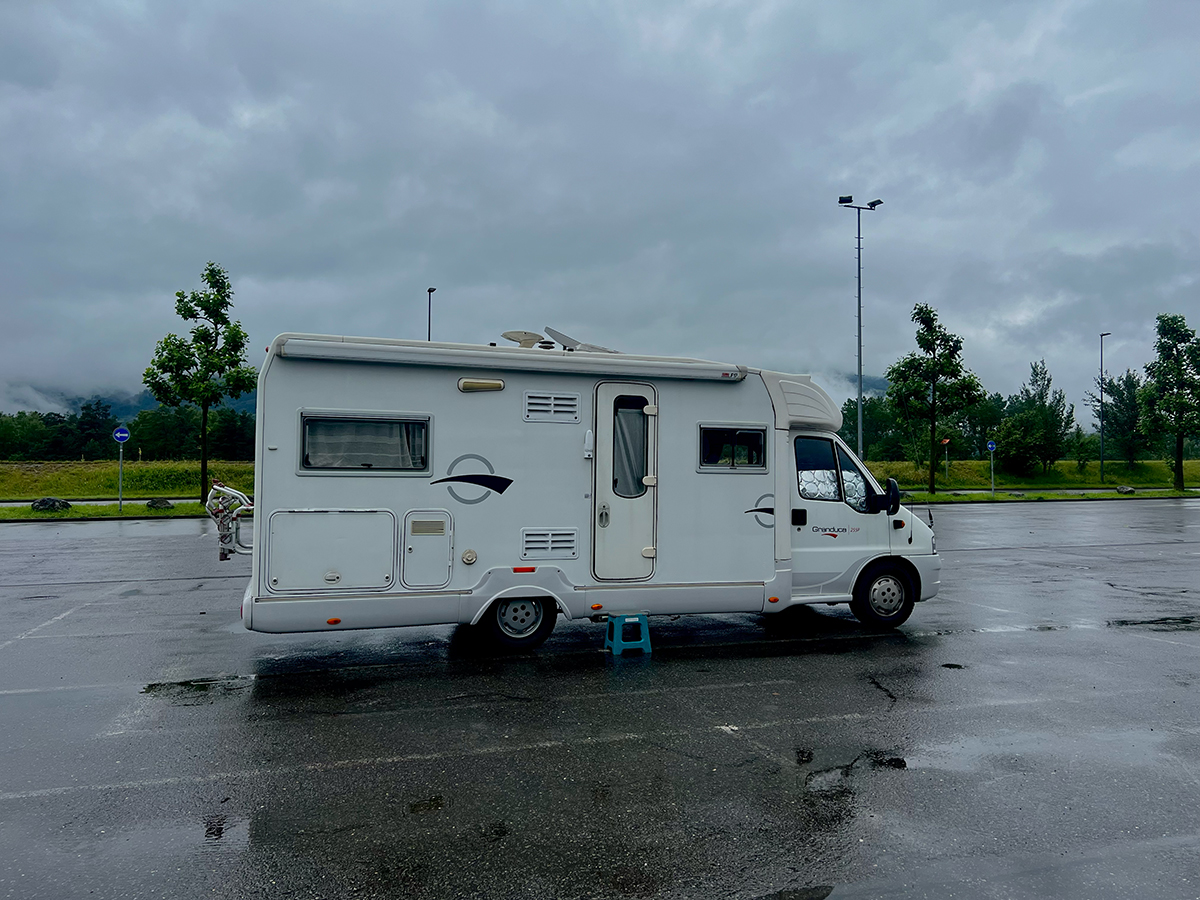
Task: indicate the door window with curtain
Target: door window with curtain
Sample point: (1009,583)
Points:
(630,446)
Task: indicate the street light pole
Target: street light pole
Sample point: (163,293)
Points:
(1103,335)
(848,202)
(429,320)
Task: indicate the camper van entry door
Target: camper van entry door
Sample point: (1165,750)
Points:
(623,501)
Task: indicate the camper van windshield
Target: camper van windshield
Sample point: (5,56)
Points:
(371,444)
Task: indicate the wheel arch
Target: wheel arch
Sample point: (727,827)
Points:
(521,590)
(909,569)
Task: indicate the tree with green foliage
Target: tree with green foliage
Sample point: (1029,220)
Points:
(1017,439)
(979,422)
(231,434)
(883,432)
(1124,438)
(23,435)
(1170,397)
(1045,413)
(96,424)
(1083,447)
(932,384)
(208,367)
(166,432)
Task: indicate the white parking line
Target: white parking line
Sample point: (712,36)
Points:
(36,628)
(1165,641)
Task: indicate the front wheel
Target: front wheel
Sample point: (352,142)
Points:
(883,596)
(521,623)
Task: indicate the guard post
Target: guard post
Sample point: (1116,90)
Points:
(120,435)
(992,453)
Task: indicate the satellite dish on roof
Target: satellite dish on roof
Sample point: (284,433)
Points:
(571,344)
(523,338)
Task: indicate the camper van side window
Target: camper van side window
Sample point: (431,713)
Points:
(629,446)
(854,483)
(816,469)
(732,448)
(371,445)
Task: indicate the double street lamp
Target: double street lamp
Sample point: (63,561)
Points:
(848,202)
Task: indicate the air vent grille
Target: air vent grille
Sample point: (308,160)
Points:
(549,543)
(426,526)
(544,407)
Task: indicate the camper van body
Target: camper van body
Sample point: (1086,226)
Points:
(408,483)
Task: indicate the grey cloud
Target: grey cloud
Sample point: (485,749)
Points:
(657,179)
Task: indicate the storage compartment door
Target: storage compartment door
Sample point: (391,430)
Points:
(428,544)
(331,550)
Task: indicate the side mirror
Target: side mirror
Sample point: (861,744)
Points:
(889,500)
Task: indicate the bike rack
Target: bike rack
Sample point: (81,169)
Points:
(226,506)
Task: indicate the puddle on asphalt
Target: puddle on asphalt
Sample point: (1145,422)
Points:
(817,892)
(1164,623)
(1018,751)
(161,840)
(198,691)
(432,804)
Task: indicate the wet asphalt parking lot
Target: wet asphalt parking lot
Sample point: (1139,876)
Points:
(1032,732)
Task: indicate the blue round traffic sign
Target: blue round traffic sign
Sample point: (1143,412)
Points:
(991,446)
(121,434)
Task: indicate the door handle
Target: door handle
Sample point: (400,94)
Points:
(602,516)
(799,517)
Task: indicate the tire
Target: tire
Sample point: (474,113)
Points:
(520,623)
(883,596)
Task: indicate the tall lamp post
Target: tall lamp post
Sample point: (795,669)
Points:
(1103,335)
(848,202)
(429,320)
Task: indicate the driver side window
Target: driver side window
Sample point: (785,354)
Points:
(816,469)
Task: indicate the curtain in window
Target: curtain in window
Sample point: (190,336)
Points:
(629,446)
(364,444)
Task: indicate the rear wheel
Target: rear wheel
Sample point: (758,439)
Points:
(884,596)
(521,623)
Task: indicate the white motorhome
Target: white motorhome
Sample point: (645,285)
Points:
(412,483)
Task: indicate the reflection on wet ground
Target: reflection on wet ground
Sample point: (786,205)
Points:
(1030,733)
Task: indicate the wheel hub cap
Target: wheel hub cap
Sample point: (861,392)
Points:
(887,595)
(519,618)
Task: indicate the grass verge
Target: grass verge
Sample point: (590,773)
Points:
(922,497)
(133,509)
(98,480)
(975,474)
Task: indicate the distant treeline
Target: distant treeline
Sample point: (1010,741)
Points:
(155,434)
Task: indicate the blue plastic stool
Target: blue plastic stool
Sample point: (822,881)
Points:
(618,624)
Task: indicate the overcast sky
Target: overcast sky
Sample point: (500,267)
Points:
(653,177)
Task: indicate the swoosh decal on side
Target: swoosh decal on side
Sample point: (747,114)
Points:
(769,510)
(497,483)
